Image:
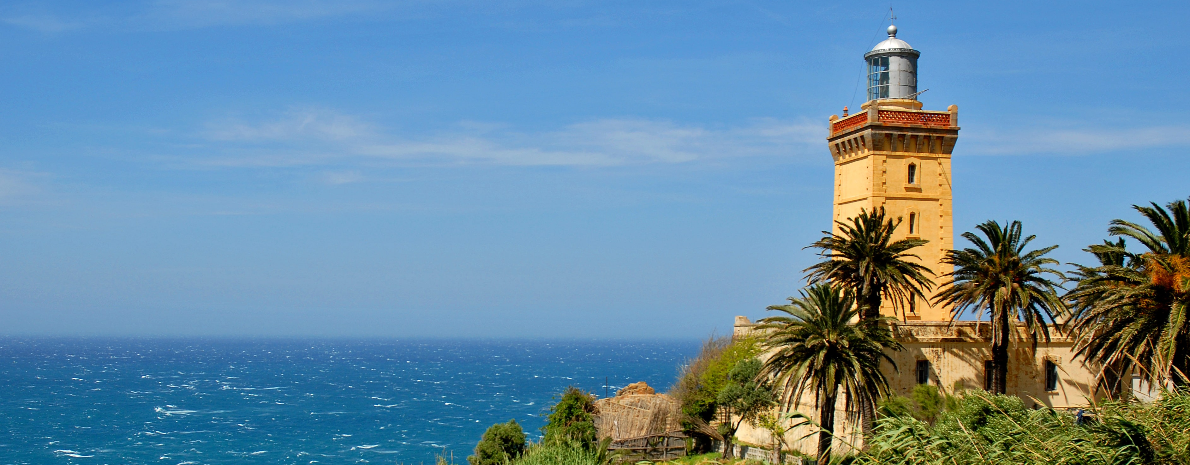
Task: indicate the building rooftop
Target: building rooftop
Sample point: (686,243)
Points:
(892,44)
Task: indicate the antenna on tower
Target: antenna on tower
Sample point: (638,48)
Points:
(892,16)
(915,94)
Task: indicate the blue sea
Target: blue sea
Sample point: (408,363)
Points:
(174,401)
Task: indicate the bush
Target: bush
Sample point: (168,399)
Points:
(571,420)
(501,443)
(703,377)
(925,404)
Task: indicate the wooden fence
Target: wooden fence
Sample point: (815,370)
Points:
(665,446)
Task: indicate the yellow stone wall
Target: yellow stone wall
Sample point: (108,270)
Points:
(873,151)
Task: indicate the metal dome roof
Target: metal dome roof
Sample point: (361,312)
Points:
(892,45)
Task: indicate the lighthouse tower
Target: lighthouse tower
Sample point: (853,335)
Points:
(895,155)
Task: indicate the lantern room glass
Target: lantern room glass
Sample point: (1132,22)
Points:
(878,78)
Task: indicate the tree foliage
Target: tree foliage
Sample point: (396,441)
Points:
(820,348)
(501,443)
(998,276)
(864,258)
(572,420)
(744,396)
(702,378)
(1133,310)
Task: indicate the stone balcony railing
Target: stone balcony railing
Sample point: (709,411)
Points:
(895,117)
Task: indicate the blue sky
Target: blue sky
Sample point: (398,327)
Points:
(524,169)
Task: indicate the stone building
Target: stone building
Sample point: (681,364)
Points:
(896,155)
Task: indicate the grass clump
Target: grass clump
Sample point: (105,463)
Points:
(559,453)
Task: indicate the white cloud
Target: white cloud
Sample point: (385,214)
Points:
(1074,141)
(43,23)
(320,137)
(297,125)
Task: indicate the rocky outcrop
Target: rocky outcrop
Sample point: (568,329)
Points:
(639,387)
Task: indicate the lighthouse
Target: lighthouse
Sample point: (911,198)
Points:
(894,154)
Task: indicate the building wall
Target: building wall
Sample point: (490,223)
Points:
(871,171)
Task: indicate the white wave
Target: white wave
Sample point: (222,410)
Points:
(366,446)
(71,453)
(173,411)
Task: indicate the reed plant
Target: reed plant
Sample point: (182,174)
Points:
(997,429)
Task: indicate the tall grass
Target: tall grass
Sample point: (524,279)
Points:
(995,429)
(557,454)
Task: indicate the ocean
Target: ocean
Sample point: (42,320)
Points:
(191,401)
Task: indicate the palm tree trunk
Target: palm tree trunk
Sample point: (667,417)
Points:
(826,417)
(1000,356)
(867,411)
(871,309)
(867,419)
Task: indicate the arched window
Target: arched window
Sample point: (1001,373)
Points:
(913,223)
(912,173)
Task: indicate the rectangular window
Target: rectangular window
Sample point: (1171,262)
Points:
(988,370)
(1051,376)
(912,173)
(912,223)
(923,371)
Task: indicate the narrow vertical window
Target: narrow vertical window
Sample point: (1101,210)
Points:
(988,369)
(1051,376)
(912,304)
(912,173)
(913,223)
(923,371)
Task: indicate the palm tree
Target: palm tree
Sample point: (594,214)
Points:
(1091,322)
(864,258)
(819,345)
(999,277)
(1136,310)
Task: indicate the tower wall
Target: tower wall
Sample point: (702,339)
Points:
(873,151)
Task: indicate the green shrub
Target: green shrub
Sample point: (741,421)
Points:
(571,420)
(926,403)
(501,443)
(703,377)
